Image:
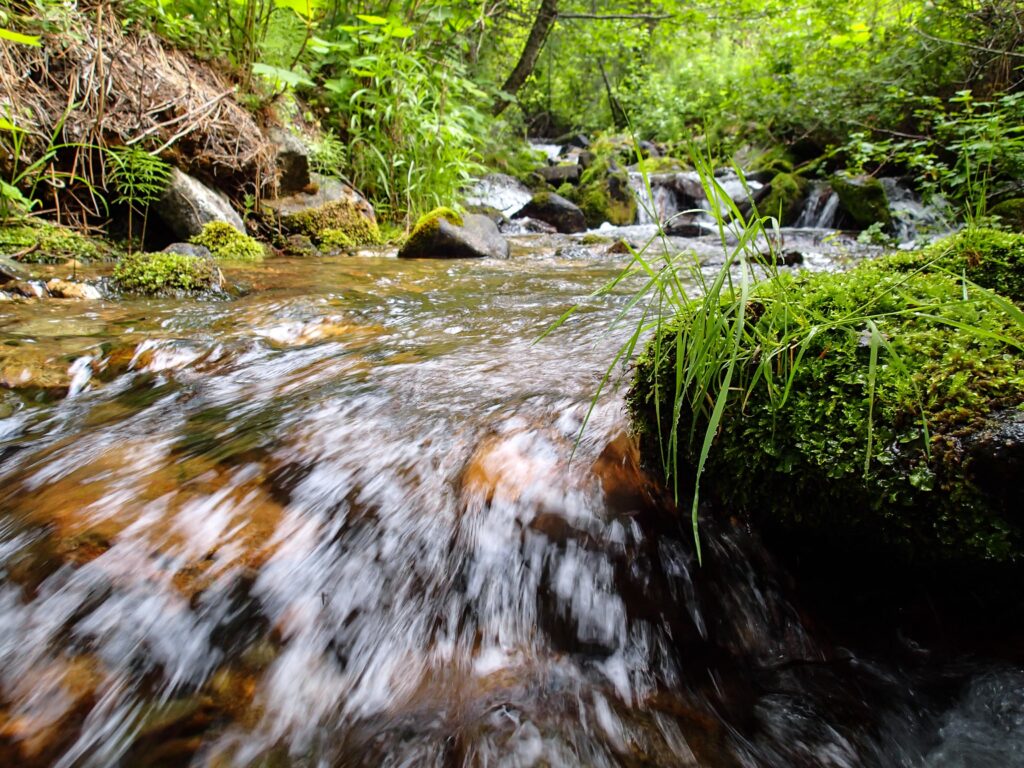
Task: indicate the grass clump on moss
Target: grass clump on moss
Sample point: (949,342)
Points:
(228,244)
(836,403)
(165,273)
(40,242)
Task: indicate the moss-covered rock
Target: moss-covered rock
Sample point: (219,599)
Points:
(988,257)
(843,462)
(332,208)
(1010,213)
(863,198)
(227,244)
(604,195)
(785,197)
(40,242)
(445,234)
(166,273)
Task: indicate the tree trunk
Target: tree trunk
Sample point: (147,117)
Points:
(542,24)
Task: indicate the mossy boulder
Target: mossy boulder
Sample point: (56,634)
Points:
(1010,213)
(445,234)
(843,463)
(227,244)
(166,273)
(991,258)
(863,199)
(331,208)
(41,242)
(784,199)
(604,195)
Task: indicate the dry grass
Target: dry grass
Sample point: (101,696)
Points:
(93,85)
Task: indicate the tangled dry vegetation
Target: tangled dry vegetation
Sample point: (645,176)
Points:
(91,85)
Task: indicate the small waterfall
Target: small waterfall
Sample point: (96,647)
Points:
(663,207)
(912,218)
(551,151)
(820,209)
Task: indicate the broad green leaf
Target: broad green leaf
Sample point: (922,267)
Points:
(281,76)
(377,21)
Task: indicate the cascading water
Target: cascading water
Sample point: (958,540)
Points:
(341,521)
(820,208)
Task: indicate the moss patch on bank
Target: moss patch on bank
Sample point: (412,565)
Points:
(34,241)
(855,455)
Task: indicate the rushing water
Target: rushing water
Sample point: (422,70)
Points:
(339,522)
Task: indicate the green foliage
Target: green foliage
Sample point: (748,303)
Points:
(139,179)
(227,244)
(328,156)
(165,273)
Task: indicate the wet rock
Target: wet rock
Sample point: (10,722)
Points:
(995,459)
(189,249)
(564,215)
(331,211)
(784,198)
(34,371)
(443,234)
(687,225)
(166,273)
(11,270)
(187,205)
(65,289)
(556,175)
(577,140)
(292,159)
(500,192)
(26,289)
(299,245)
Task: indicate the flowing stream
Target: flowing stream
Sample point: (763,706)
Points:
(339,522)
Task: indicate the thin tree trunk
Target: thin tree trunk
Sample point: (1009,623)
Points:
(542,24)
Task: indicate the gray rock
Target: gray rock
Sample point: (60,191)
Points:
(564,215)
(556,175)
(526,226)
(292,161)
(995,459)
(188,249)
(478,237)
(501,192)
(187,205)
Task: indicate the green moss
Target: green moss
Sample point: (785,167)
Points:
(40,242)
(785,197)
(797,465)
(864,199)
(1010,213)
(228,244)
(988,257)
(605,195)
(340,215)
(662,165)
(592,238)
(165,273)
(567,190)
